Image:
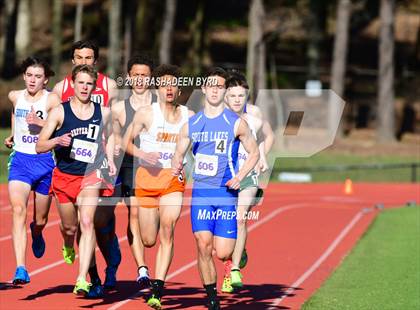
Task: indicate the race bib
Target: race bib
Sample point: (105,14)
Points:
(206,164)
(242,158)
(97,98)
(84,151)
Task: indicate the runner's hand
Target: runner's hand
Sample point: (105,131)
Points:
(117,150)
(262,164)
(233,183)
(176,168)
(8,142)
(32,118)
(64,140)
(112,168)
(151,158)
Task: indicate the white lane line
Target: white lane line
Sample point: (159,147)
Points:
(8,237)
(194,262)
(319,261)
(60,262)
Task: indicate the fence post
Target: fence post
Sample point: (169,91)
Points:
(414,172)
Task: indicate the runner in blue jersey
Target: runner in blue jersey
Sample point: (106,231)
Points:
(29,171)
(215,134)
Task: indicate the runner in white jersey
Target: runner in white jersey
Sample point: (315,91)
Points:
(29,171)
(236,99)
(159,193)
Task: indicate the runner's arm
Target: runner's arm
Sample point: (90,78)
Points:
(110,142)
(33,119)
(133,131)
(8,142)
(45,142)
(182,147)
(116,110)
(58,89)
(250,145)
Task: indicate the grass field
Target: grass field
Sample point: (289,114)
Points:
(365,175)
(382,271)
(322,159)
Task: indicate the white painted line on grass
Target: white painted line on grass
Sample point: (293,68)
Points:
(319,261)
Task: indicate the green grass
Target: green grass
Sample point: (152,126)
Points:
(322,159)
(4,155)
(366,175)
(383,270)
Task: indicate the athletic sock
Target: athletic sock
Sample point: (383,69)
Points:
(143,271)
(93,274)
(211,291)
(157,288)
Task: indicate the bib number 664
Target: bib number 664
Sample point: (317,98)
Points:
(83,152)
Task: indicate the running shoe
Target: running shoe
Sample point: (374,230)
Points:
(96,290)
(213,305)
(236,278)
(143,277)
(38,243)
(69,254)
(244,259)
(21,276)
(82,287)
(110,277)
(227,285)
(154,302)
(114,261)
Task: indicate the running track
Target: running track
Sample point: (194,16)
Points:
(303,233)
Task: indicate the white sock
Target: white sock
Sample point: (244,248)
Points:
(143,272)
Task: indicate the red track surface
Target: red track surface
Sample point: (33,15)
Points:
(302,234)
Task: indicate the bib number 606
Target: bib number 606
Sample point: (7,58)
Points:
(205,166)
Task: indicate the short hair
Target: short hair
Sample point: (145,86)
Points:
(236,78)
(85,69)
(165,69)
(35,61)
(141,59)
(217,71)
(85,44)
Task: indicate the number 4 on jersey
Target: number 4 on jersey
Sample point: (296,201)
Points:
(220,146)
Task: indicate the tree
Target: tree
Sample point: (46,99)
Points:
(197,33)
(56,32)
(167,30)
(114,37)
(130,12)
(256,58)
(9,56)
(78,21)
(23,34)
(340,53)
(386,112)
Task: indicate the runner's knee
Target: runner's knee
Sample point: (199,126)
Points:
(86,223)
(69,230)
(19,210)
(148,241)
(205,247)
